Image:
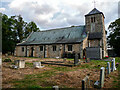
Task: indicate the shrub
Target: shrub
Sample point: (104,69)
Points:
(7,60)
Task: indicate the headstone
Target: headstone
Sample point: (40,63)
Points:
(85,83)
(87,60)
(13,66)
(20,63)
(108,68)
(37,65)
(102,72)
(76,59)
(55,87)
(96,84)
(0,61)
(114,63)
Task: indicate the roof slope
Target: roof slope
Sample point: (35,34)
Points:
(95,35)
(94,11)
(62,35)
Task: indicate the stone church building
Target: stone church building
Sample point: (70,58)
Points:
(88,41)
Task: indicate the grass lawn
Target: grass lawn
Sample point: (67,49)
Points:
(42,80)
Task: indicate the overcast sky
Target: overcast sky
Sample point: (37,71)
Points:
(48,14)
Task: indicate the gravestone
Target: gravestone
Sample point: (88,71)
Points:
(37,65)
(20,63)
(87,60)
(102,72)
(0,61)
(76,59)
(85,83)
(114,63)
(112,66)
(55,88)
(100,83)
(108,68)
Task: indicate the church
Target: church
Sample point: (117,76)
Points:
(88,41)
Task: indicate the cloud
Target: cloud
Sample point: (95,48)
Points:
(2,10)
(49,14)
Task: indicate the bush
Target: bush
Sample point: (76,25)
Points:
(7,60)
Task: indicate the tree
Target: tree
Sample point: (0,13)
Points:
(14,30)
(114,37)
(19,26)
(30,27)
(8,43)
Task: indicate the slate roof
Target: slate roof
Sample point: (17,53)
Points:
(95,35)
(94,11)
(74,34)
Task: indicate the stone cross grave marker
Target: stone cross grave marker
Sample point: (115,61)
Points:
(108,68)
(102,72)
(85,83)
(76,59)
(20,63)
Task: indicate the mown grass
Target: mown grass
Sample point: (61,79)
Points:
(29,64)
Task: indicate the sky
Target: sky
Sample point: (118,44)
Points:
(50,14)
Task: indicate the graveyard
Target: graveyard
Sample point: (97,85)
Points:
(63,73)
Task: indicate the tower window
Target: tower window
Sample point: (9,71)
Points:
(54,48)
(69,47)
(92,19)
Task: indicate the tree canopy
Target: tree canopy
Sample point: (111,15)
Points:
(114,37)
(14,30)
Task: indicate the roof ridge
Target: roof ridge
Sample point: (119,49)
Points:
(61,28)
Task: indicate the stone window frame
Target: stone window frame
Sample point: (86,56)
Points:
(22,49)
(70,47)
(41,48)
(54,47)
(93,19)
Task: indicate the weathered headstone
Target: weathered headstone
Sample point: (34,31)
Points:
(55,87)
(76,59)
(112,66)
(85,83)
(108,68)
(114,63)
(96,84)
(102,72)
(37,65)
(20,63)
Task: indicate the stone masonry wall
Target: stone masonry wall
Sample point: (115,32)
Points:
(60,49)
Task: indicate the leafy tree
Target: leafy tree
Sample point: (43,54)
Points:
(114,37)
(7,34)
(30,27)
(14,30)
(19,26)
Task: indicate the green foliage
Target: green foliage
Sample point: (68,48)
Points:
(114,37)
(15,30)
(7,60)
